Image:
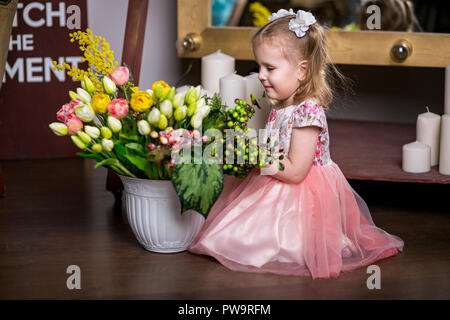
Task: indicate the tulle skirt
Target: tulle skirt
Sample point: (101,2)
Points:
(318,227)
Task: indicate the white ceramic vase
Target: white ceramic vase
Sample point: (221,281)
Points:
(153,212)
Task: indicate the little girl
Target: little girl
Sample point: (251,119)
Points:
(305,220)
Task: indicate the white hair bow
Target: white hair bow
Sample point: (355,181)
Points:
(281,13)
(300,24)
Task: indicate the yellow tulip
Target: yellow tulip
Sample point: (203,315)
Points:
(100,103)
(141,101)
(160,89)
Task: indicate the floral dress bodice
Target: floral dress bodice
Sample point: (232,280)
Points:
(307,113)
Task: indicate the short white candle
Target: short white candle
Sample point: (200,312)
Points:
(232,87)
(444,152)
(259,119)
(214,67)
(428,131)
(416,157)
(447,90)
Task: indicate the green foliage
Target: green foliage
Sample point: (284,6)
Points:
(198,185)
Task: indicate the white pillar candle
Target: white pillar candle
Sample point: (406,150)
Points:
(254,86)
(428,131)
(232,87)
(416,157)
(259,119)
(214,67)
(447,90)
(444,152)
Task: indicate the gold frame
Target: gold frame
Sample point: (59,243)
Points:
(346,47)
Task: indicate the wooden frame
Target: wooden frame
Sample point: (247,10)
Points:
(132,55)
(346,47)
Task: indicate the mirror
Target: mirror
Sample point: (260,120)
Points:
(351,15)
(198,37)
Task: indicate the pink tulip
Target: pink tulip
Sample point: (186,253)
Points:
(118,108)
(73,124)
(68,109)
(151,146)
(61,114)
(120,76)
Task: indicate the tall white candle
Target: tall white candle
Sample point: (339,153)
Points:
(447,90)
(214,67)
(444,152)
(428,131)
(232,87)
(258,121)
(416,157)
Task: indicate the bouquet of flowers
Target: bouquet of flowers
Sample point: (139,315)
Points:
(153,133)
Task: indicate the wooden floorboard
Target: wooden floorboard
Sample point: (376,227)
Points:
(57,213)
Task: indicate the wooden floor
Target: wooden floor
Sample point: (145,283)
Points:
(57,213)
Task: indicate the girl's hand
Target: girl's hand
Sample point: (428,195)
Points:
(270,169)
(300,158)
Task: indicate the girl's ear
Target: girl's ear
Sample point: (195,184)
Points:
(301,68)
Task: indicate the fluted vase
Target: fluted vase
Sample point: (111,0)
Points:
(154,214)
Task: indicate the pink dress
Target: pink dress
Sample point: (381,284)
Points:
(318,227)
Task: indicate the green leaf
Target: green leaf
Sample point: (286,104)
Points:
(121,153)
(120,149)
(209,122)
(107,162)
(87,155)
(136,147)
(182,124)
(131,137)
(143,164)
(198,185)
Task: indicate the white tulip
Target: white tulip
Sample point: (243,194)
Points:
(93,132)
(85,113)
(107,144)
(83,95)
(153,116)
(143,127)
(166,108)
(204,111)
(114,124)
(58,128)
(196,121)
(109,85)
(178,100)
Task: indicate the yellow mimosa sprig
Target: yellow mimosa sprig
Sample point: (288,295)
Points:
(97,54)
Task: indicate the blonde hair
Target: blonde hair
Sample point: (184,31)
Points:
(311,47)
(396,15)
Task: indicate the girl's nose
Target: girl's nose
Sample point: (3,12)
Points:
(261,76)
